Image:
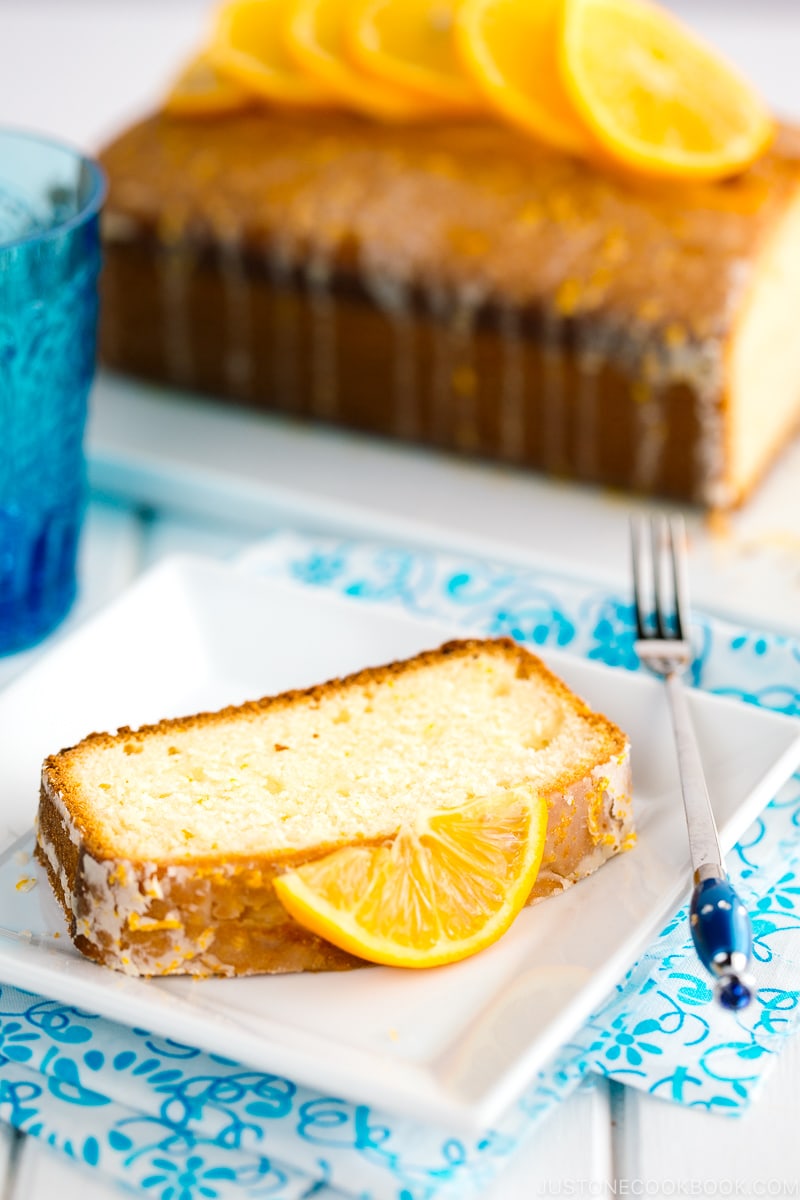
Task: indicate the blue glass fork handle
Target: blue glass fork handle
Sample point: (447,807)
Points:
(723,938)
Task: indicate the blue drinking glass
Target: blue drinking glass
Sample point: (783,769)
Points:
(50,199)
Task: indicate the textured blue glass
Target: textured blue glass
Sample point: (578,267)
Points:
(50,199)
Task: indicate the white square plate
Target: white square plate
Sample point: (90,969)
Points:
(455,1043)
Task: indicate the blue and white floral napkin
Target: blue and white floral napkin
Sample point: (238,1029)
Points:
(180,1124)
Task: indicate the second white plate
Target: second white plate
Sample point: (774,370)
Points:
(456,1043)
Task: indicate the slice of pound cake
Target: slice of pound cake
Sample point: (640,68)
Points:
(162,843)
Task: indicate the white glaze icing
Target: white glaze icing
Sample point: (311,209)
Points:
(238,321)
(284,332)
(512,386)
(324,381)
(591,353)
(454,396)
(174,270)
(552,393)
(392,297)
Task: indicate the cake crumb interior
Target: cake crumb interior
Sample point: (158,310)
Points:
(355,762)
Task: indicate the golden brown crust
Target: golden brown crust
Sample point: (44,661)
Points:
(472,202)
(219,914)
(512,302)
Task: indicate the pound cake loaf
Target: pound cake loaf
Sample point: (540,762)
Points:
(461,285)
(162,843)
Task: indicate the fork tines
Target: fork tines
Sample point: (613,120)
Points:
(662,610)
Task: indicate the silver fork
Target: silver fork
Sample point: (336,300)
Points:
(719,921)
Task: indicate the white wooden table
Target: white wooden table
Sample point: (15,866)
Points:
(170,476)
